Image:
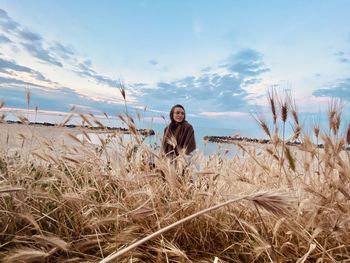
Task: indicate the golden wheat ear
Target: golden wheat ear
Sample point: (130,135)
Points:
(271,96)
(276,203)
(2,116)
(259,118)
(28,95)
(284,110)
(122,89)
(335,109)
(273,202)
(26,255)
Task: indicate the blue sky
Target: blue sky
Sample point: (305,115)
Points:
(217,58)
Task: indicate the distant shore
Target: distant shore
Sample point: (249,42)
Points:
(28,137)
(146,132)
(233,140)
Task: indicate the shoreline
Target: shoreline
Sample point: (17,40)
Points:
(105,129)
(232,140)
(144,132)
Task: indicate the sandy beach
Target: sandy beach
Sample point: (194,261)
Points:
(50,172)
(26,138)
(21,137)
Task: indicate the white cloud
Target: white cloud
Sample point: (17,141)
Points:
(153,120)
(22,111)
(214,114)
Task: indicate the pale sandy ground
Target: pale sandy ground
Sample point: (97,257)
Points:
(27,138)
(30,140)
(24,139)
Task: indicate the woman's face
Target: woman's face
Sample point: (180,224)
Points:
(178,114)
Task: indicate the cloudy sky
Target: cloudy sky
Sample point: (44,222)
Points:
(217,58)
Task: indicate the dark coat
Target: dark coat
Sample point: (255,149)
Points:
(178,137)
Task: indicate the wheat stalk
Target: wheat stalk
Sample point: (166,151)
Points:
(26,255)
(271,94)
(259,118)
(270,201)
(9,189)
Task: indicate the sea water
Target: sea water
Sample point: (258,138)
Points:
(208,148)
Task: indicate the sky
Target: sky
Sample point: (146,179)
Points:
(216,58)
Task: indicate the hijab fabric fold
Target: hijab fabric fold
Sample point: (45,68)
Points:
(183,133)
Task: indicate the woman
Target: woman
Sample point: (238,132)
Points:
(179,134)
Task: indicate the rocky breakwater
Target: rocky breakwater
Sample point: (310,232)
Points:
(235,139)
(145,132)
(230,139)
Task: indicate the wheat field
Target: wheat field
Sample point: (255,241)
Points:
(63,199)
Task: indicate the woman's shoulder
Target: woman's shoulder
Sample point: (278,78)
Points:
(187,125)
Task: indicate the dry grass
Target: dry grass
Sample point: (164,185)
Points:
(79,203)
